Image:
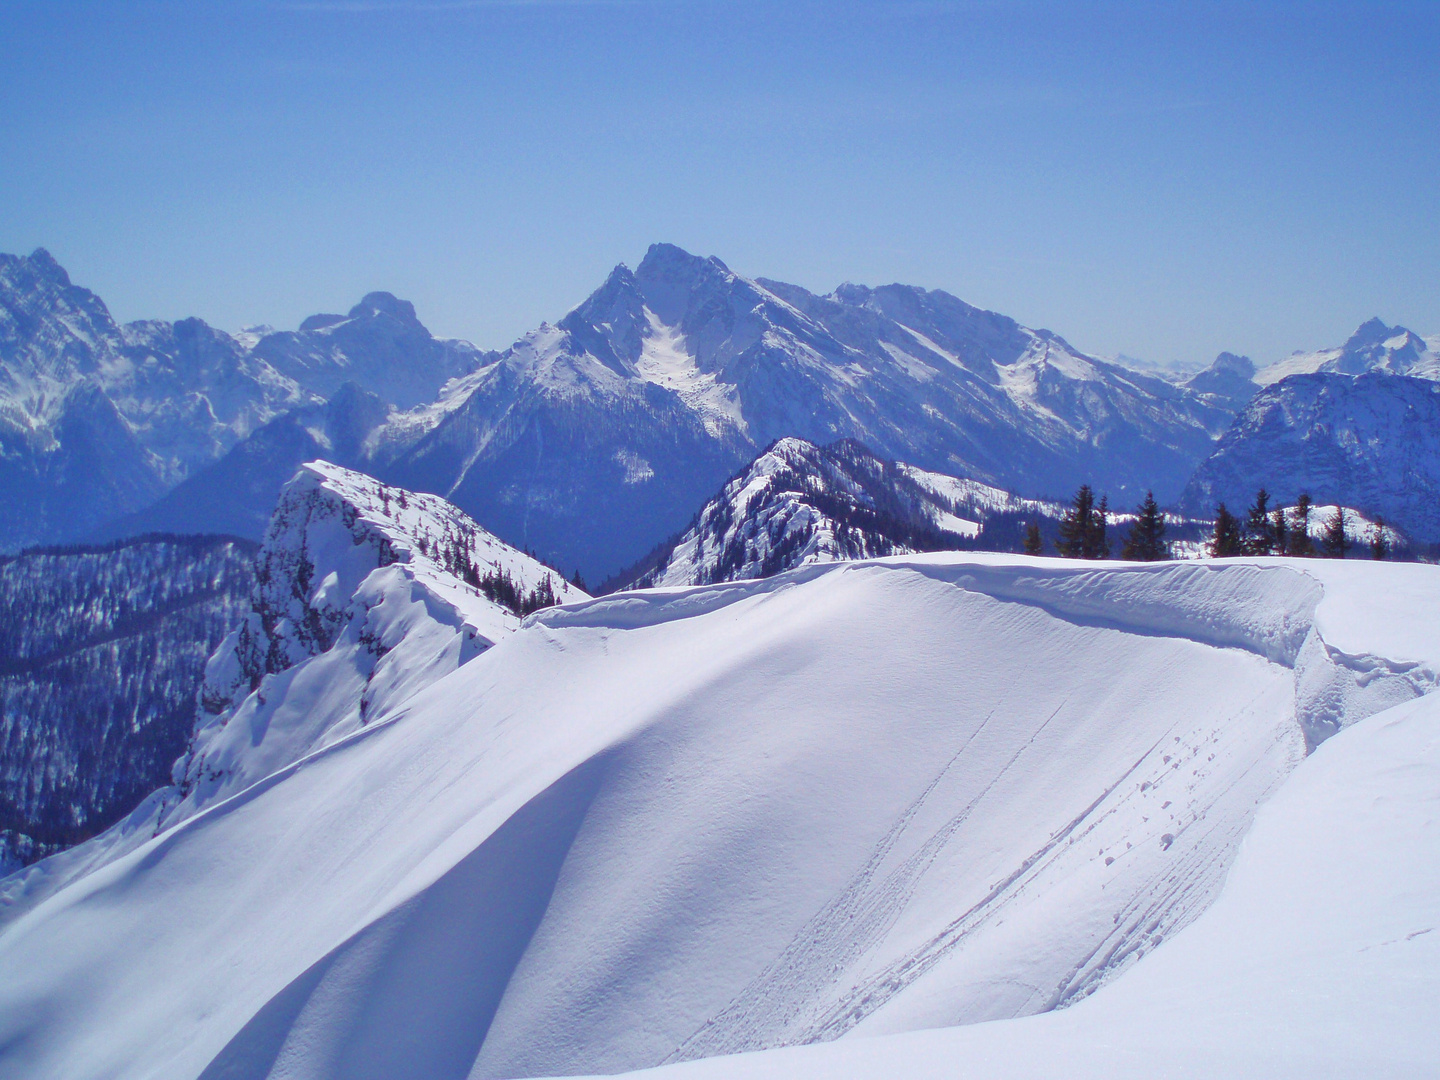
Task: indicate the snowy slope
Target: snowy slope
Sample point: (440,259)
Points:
(854,799)
(1320,958)
(364,595)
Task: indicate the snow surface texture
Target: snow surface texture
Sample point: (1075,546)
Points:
(1320,958)
(355,609)
(855,799)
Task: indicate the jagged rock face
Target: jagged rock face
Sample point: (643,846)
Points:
(1392,350)
(1370,442)
(799,503)
(102,651)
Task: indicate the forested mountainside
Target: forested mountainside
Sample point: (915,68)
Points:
(102,651)
(1371,442)
(799,503)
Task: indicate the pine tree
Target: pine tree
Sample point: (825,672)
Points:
(1280,531)
(1225,540)
(1146,539)
(1033,544)
(1075,525)
(1097,545)
(1300,542)
(1335,543)
(1259,533)
(1379,543)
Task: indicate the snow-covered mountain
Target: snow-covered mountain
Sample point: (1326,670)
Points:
(1370,441)
(102,650)
(592,439)
(1373,347)
(799,503)
(99,420)
(853,799)
(1229,381)
(364,594)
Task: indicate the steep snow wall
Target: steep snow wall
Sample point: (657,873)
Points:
(863,798)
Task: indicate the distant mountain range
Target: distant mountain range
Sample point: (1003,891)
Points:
(593,439)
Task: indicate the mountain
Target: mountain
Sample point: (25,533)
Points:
(1373,347)
(379,346)
(1229,381)
(102,650)
(364,595)
(98,420)
(799,503)
(855,799)
(592,439)
(1370,441)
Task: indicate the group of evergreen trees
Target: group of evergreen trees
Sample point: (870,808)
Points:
(1272,532)
(1085,527)
(1263,531)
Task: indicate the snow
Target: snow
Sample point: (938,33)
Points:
(666,361)
(856,799)
(1321,957)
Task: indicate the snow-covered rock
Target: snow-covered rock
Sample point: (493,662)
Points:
(1370,441)
(799,503)
(97,420)
(1374,347)
(854,799)
(364,595)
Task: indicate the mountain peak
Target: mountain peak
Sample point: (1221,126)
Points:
(1229,362)
(45,265)
(384,303)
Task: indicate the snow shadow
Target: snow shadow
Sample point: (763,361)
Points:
(414,993)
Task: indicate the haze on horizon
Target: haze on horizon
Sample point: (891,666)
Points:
(1159,183)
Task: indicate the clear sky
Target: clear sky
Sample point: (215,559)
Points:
(1164,180)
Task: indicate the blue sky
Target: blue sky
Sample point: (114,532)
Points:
(1160,180)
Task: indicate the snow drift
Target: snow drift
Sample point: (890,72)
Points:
(853,799)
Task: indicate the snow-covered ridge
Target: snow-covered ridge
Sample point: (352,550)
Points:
(854,798)
(365,594)
(799,503)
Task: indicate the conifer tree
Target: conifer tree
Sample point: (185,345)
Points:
(1097,545)
(1300,542)
(1259,533)
(1075,525)
(1335,543)
(1033,544)
(1146,539)
(1280,531)
(1225,540)
(1379,544)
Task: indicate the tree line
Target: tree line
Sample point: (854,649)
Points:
(1084,531)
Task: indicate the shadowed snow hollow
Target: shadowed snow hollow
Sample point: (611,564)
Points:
(862,798)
